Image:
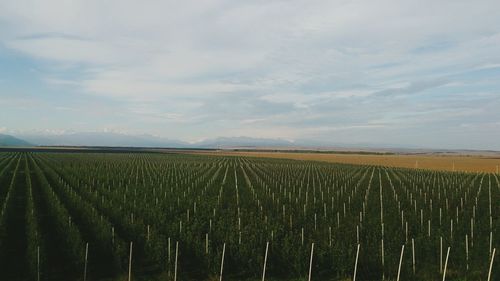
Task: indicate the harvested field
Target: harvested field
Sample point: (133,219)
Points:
(433,162)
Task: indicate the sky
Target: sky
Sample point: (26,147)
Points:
(410,73)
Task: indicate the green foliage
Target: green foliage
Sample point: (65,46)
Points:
(151,199)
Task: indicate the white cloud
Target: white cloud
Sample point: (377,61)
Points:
(135,89)
(65,50)
(272,67)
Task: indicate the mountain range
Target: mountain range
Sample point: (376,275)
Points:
(125,140)
(8,140)
(112,139)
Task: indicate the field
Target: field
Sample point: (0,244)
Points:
(170,216)
(489,163)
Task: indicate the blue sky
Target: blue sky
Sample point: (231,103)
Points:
(412,73)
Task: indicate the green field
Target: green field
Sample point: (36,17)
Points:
(53,204)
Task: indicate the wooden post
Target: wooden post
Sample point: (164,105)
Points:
(222,261)
(451,231)
(147,233)
(130,263)
(330,236)
(400,261)
(86,259)
(206,243)
(265,262)
(302,235)
(311,261)
(472,232)
(168,255)
(489,201)
(383,259)
(491,241)
(356,264)
(413,254)
(446,264)
(491,264)
(357,234)
(38,262)
(176,256)
(406,232)
(440,254)
(467,252)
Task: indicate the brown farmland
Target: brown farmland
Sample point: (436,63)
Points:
(466,163)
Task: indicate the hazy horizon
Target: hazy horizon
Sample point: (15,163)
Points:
(412,73)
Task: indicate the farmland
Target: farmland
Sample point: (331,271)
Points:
(487,162)
(160,216)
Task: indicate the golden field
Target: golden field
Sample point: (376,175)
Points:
(474,163)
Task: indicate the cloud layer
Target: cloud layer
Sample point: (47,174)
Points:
(406,72)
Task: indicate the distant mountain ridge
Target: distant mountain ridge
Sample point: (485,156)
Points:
(8,140)
(112,139)
(101,139)
(124,140)
(228,142)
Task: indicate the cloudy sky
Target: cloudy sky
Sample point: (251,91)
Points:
(416,73)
